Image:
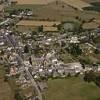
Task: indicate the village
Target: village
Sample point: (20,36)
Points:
(33,51)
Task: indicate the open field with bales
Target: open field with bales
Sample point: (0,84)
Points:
(72,89)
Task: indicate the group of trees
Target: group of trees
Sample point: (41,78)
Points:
(26,49)
(70,26)
(18,96)
(96,51)
(92,77)
(75,50)
(40,28)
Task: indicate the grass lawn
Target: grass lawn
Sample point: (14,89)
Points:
(72,89)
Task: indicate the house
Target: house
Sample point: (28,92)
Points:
(1,43)
(73,68)
(13,70)
(61,71)
(74,39)
(87,48)
(55,74)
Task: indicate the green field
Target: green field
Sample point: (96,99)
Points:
(72,89)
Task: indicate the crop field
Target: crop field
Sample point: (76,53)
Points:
(38,23)
(71,89)
(47,25)
(54,12)
(79,4)
(37,2)
(91,1)
(95,5)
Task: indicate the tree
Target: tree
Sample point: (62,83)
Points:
(77,17)
(40,28)
(18,96)
(85,60)
(89,76)
(69,75)
(26,49)
(97,81)
(96,51)
(59,26)
(75,50)
(92,77)
(33,35)
(30,60)
(2,52)
(5,78)
(57,2)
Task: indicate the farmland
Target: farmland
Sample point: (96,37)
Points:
(47,25)
(6,92)
(56,12)
(35,2)
(38,23)
(72,89)
(79,4)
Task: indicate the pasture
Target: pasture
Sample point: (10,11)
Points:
(71,89)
